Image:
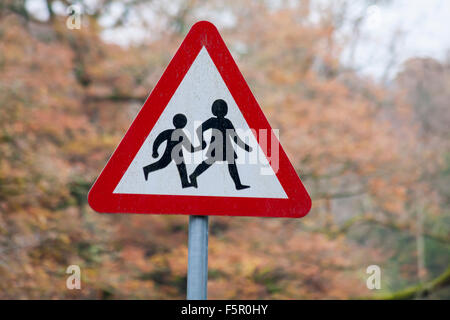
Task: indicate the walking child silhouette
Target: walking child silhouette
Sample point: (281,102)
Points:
(175,139)
(222,150)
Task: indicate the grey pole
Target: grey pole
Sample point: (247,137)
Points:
(197,276)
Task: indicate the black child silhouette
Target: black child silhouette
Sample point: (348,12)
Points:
(223,150)
(175,139)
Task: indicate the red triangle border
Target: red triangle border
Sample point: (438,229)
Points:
(101,197)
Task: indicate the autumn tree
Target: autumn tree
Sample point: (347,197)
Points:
(367,153)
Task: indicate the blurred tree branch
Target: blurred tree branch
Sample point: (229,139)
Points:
(391,224)
(421,290)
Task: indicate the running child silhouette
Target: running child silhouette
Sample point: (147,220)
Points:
(175,139)
(222,150)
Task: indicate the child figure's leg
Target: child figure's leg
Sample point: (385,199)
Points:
(160,164)
(235,176)
(198,171)
(183,175)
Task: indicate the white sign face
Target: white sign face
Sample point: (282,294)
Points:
(194,97)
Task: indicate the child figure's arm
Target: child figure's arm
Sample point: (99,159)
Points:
(200,130)
(163,136)
(180,136)
(188,144)
(239,141)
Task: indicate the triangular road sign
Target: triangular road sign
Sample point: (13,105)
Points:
(202,93)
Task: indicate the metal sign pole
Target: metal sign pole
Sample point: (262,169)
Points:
(197,276)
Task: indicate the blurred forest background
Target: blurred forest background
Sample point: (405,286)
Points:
(373,153)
